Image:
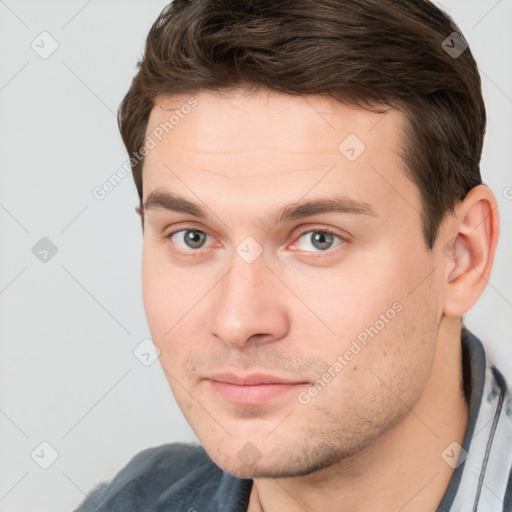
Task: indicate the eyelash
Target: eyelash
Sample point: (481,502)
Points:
(196,253)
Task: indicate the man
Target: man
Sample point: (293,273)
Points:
(315,228)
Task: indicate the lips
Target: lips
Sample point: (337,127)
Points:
(251,380)
(254,389)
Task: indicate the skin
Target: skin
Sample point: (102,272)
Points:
(372,438)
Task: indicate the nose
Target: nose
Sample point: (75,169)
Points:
(250,305)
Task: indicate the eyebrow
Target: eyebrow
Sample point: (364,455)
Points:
(293,211)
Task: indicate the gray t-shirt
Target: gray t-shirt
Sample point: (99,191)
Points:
(180,477)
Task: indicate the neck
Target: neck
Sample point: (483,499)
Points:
(402,470)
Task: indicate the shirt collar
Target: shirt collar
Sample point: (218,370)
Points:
(480,478)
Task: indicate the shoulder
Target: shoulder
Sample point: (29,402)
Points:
(152,474)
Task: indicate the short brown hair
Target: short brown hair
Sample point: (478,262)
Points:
(362,52)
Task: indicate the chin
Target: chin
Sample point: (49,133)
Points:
(250,462)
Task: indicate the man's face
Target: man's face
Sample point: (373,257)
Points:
(357,310)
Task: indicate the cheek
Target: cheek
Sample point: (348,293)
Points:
(153,287)
(163,297)
(374,368)
(342,303)
(379,308)
(174,302)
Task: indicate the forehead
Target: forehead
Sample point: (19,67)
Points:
(238,122)
(259,143)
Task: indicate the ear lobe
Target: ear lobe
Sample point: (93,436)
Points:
(470,251)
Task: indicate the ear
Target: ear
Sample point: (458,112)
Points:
(469,253)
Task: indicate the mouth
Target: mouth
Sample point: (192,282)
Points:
(255,389)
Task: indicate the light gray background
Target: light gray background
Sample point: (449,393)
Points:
(69,326)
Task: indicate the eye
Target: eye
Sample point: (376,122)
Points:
(319,240)
(189,238)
